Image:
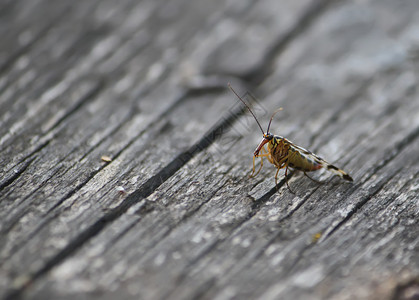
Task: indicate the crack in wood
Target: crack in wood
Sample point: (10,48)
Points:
(50,215)
(144,191)
(359,205)
(29,155)
(14,219)
(255,208)
(400,146)
(175,225)
(397,149)
(305,16)
(410,138)
(16,173)
(257,204)
(49,137)
(97,87)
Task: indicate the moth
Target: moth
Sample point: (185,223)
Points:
(284,154)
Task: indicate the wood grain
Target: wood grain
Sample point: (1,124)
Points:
(173,213)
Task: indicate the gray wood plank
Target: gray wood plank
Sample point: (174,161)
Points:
(145,83)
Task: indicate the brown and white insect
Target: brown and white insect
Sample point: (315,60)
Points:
(283,154)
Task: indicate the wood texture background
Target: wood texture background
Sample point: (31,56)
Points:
(174,214)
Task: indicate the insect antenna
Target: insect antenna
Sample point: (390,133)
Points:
(270,121)
(248,107)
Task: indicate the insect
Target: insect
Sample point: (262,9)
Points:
(284,154)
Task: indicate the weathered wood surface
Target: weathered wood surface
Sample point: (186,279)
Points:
(144,82)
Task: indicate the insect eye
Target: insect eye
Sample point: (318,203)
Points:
(269,136)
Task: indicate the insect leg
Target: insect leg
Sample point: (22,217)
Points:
(265,154)
(276,178)
(281,163)
(254,168)
(286,179)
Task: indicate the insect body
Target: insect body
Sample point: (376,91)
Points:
(283,154)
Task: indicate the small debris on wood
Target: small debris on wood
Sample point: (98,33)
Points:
(121,190)
(106,158)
